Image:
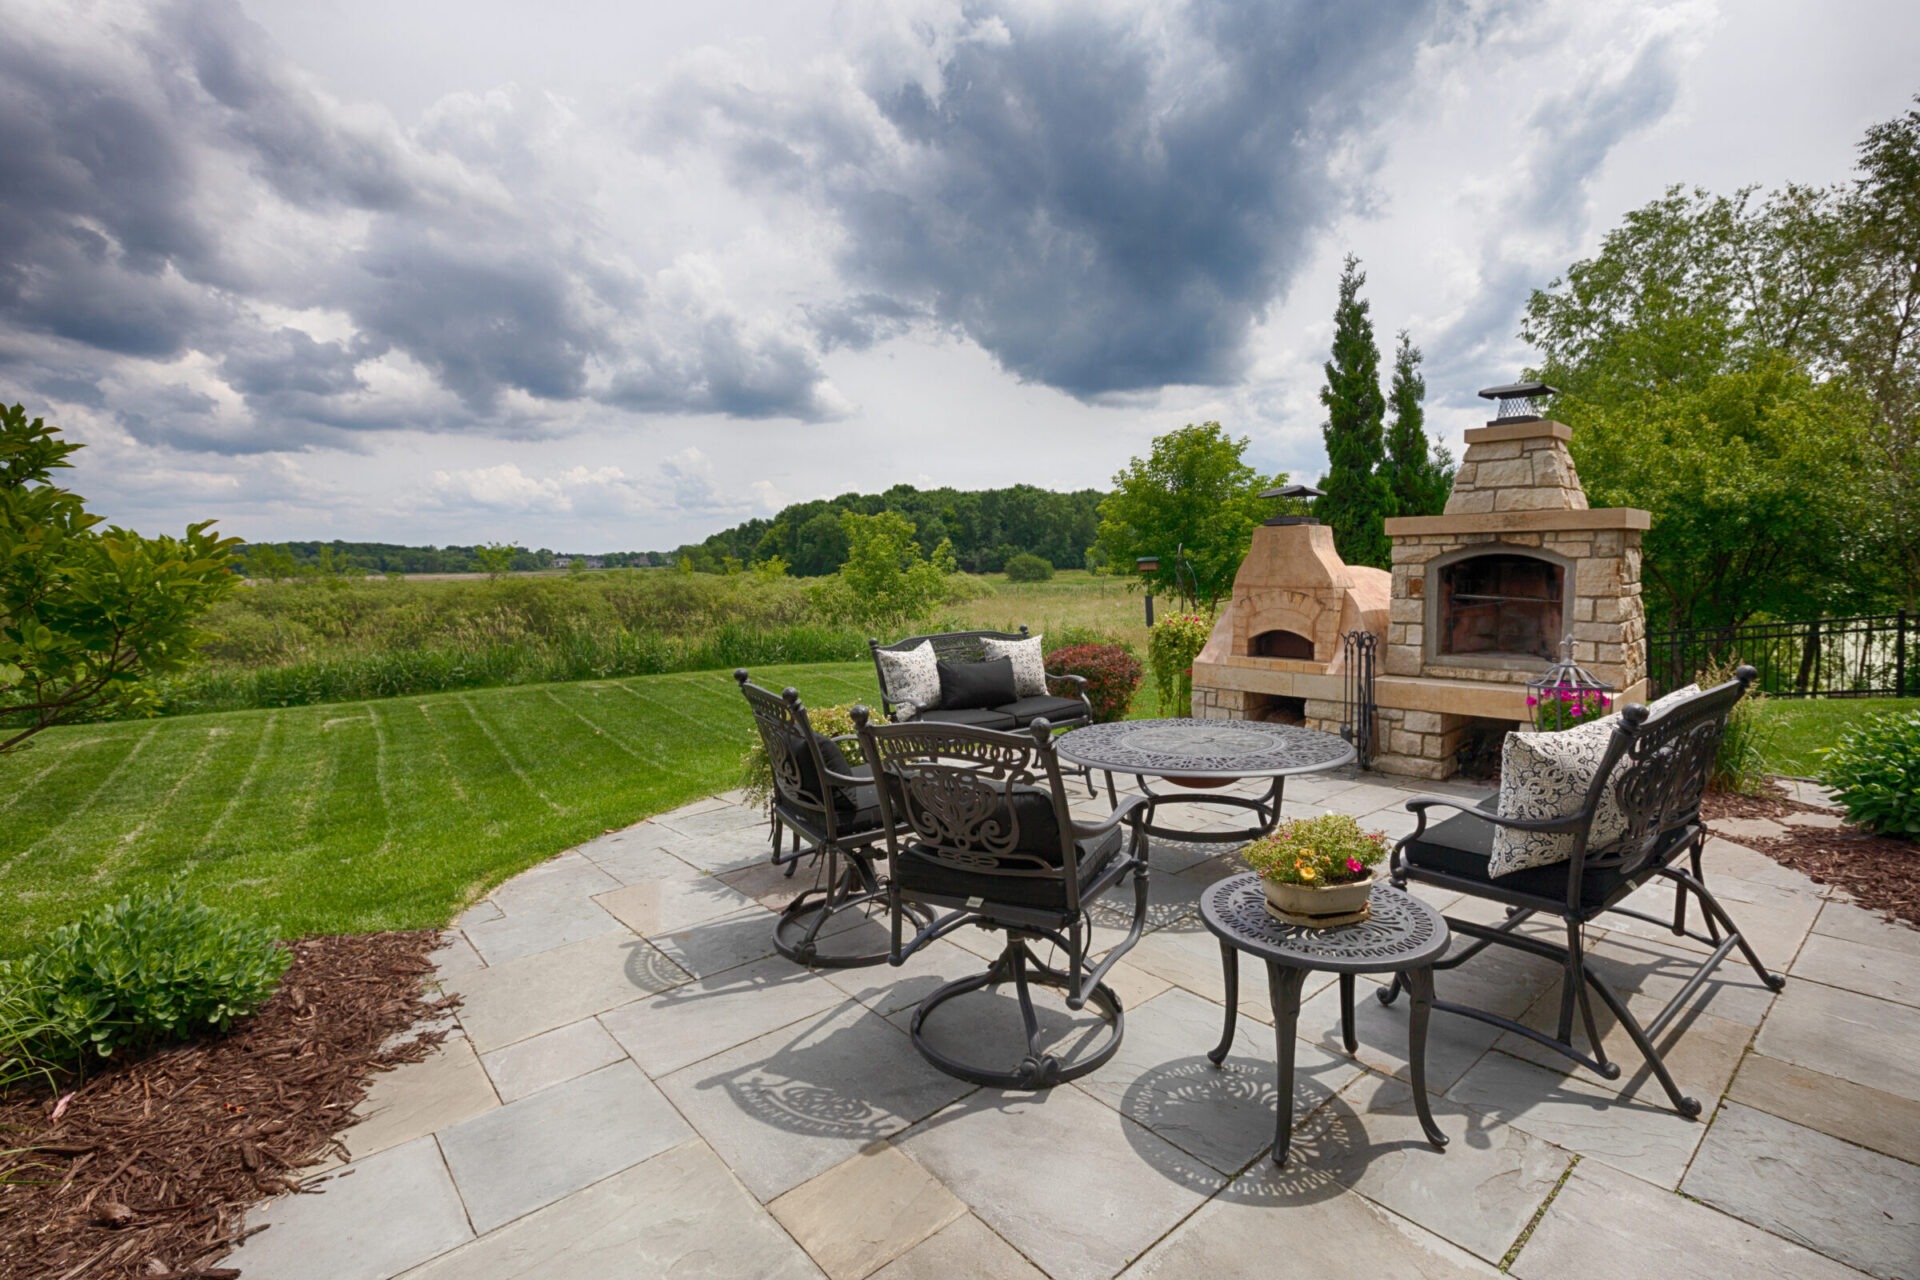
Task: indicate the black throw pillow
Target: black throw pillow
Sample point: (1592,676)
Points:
(965,685)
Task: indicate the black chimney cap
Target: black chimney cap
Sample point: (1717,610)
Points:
(1519,391)
(1294,491)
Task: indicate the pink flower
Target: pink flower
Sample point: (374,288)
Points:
(1531,700)
(1355,865)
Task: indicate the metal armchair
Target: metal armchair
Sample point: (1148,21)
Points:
(978,830)
(1656,767)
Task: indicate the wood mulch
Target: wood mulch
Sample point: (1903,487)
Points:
(1880,873)
(147,1169)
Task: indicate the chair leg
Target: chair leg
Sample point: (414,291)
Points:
(1574,983)
(1718,919)
(1036,1068)
(848,885)
(1688,1107)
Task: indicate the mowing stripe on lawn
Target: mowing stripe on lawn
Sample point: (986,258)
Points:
(365,815)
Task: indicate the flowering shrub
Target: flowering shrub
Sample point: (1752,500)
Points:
(1874,771)
(1172,645)
(1112,675)
(1330,849)
(1565,708)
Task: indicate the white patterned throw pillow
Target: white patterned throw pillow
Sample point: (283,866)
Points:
(1546,775)
(911,676)
(1029,665)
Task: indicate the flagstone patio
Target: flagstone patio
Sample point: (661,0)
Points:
(638,1086)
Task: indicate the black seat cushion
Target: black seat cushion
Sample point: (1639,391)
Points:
(977,717)
(1053,710)
(968,685)
(916,873)
(1462,846)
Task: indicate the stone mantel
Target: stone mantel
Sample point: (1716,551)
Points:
(1521,522)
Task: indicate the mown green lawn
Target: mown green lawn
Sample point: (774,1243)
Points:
(364,815)
(1802,726)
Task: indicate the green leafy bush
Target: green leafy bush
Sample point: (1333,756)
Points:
(152,967)
(1330,849)
(1111,672)
(1874,771)
(1172,645)
(1027,567)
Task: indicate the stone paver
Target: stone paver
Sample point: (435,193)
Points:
(1749,828)
(1818,821)
(1086,1191)
(524,997)
(1607,1225)
(1328,1235)
(1856,966)
(532,1152)
(1855,1037)
(1854,1205)
(967,1248)
(1480,1193)
(680,1214)
(377,1218)
(1841,919)
(797,1101)
(550,1058)
(421,1098)
(865,1212)
(636,1085)
(699,1019)
(1865,1117)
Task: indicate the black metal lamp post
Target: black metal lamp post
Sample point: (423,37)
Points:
(1567,694)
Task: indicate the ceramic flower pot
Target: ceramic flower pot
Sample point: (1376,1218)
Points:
(1320,906)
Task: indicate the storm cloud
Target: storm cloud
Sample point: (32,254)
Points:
(1105,199)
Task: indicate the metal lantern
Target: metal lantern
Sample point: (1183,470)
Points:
(1567,694)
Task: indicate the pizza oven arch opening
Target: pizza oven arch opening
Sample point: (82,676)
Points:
(1281,644)
(1499,605)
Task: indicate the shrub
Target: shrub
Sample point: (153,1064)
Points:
(1740,765)
(1027,567)
(1112,675)
(1330,849)
(1874,771)
(756,771)
(1172,645)
(152,967)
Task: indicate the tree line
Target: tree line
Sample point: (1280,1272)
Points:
(984,527)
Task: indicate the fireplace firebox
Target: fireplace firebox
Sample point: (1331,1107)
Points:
(1500,604)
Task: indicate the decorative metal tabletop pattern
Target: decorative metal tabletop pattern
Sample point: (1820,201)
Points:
(1404,932)
(1204,748)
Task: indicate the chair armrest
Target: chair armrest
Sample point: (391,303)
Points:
(1122,812)
(1420,804)
(1080,681)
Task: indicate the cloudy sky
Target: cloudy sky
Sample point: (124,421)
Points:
(598,275)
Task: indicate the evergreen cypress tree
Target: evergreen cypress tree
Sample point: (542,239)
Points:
(1358,496)
(1420,476)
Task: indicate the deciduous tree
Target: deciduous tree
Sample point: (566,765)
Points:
(1192,491)
(87,613)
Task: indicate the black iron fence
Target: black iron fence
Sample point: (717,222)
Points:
(1874,656)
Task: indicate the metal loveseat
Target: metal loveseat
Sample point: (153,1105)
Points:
(1064,705)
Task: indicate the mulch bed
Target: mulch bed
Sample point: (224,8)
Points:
(1880,873)
(150,1167)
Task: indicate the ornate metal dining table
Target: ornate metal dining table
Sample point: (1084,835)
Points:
(1201,757)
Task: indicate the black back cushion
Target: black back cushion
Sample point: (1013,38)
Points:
(964,685)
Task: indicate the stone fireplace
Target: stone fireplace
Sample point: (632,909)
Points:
(1478,602)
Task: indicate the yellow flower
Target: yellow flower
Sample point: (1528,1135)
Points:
(1306,873)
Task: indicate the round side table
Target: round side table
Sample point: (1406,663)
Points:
(1404,936)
